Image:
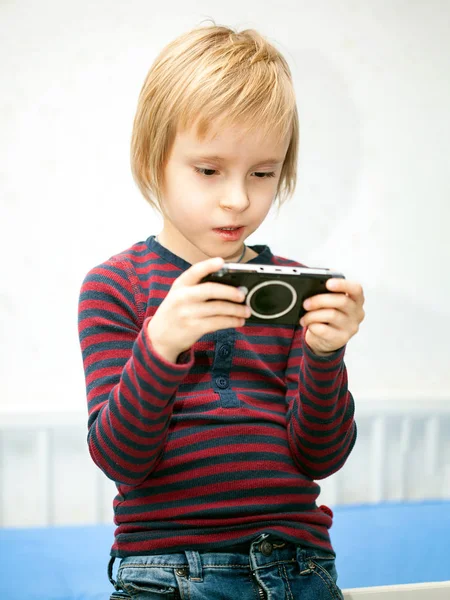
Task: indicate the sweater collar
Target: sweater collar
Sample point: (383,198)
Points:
(264,254)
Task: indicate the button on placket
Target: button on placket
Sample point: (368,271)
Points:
(222,382)
(225,350)
(222,366)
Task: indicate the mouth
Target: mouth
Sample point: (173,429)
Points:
(229,233)
(229,227)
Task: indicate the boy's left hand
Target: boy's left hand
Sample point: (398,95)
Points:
(332,319)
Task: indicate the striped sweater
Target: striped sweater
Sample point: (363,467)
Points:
(224,444)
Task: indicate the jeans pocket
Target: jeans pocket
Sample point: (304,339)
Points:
(148,583)
(322,566)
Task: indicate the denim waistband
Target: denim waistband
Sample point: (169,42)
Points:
(265,549)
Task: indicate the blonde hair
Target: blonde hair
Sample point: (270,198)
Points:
(212,75)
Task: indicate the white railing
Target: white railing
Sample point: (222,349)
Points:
(48,478)
(418,591)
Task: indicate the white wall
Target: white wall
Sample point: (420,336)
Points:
(402,455)
(373,87)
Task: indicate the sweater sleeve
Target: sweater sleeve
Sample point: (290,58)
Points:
(129,386)
(320,417)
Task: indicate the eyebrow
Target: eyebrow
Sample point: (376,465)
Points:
(215,157)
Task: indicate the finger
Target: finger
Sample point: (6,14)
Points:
(322,330)
(212,290)
(331,336)
(217,323)
(223,308)
(339,301)
(352,288)
(196,272)
(332,317)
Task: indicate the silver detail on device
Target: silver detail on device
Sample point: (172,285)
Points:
(264,284)
(274,270)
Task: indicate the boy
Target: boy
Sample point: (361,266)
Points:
(213,428)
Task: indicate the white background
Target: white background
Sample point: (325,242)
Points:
(373,86)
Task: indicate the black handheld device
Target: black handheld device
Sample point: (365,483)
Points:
(274,294)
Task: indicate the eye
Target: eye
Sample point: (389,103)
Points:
(206,172)
(211,172)
(265,175)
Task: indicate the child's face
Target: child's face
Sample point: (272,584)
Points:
(228,179)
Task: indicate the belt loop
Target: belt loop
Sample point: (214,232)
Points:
(304,569)
(110,572)
(195,565)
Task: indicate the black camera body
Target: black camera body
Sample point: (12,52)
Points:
(274,294)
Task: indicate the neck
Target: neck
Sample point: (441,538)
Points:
(244,250)
(241,257)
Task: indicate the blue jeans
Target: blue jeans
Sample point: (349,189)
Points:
(272,569)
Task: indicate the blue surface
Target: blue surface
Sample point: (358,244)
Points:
(375,545)
(392,543)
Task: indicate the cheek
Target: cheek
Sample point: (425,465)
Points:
(185,205)
(263,197)
(182,197)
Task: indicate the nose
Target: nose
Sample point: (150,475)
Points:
(235,197)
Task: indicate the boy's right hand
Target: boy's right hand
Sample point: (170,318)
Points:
(192,309)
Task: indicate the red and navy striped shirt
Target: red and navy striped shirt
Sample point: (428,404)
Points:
(224,444)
